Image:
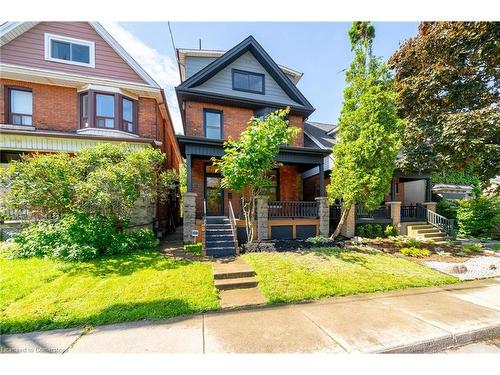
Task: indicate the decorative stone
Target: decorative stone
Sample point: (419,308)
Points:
(459,269)
(324,216)
(262,217)
(493,267)
(189,219)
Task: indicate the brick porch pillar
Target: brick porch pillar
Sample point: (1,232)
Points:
(349,226)
(431,206)
(395,208)
(324,216)
(189,220)
(262,217)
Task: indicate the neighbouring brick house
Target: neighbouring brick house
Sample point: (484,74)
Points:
(69,85)
(219,93)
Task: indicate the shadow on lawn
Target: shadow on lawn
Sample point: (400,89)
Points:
(344,255)
(123,265)
(118,313)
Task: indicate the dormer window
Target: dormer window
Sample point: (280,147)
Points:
(108,111)
(248,81)
(69,50)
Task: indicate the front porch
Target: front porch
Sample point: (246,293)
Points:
(282,212)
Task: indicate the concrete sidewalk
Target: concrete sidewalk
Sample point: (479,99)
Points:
(416,320)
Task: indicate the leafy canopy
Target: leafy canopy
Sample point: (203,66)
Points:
(369,129)
(448,92)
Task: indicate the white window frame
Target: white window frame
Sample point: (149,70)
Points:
(87,43)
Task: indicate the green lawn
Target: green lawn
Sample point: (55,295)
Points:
(40,294)
(287,277)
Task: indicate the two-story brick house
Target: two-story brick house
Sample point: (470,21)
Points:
(69,85)
(219,93)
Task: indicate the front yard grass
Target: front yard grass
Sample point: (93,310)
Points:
(41,294)
(292,276)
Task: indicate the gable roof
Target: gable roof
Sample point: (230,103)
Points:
(183,53)
(249,44)
(319,133)
(11,30)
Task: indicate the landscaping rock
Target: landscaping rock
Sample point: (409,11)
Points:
(287,245)
(476,268)
(493,267)
(459,269)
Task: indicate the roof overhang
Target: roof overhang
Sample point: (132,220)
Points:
(206,148)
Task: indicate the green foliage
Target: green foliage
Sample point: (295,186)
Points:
(448,92)
(319,240)
(248,161)
(415,252)
(369,128)
(413,242)
(457,178)
(377,231)
(391,230)
(195,248)
(78,237)
(360,231)
(472,248)
(369,230)
(447,208)
(478,217)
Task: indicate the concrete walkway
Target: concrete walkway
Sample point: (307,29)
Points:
(416,320)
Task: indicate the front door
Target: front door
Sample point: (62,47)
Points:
(214,195)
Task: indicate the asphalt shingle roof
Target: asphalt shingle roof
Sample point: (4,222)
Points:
(319,130)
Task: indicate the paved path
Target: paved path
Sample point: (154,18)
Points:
(416,320)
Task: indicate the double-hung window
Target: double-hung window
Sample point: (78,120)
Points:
(20,106)
(212,120)
(105,111)
(248,81)
(69,50)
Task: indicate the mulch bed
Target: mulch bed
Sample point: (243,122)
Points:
(391,246)
(287,245)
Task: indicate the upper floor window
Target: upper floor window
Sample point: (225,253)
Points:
(69,50)
(212,123)
(248,81)
(108,110)
(20,106)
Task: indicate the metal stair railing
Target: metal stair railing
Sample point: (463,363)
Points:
(232,221)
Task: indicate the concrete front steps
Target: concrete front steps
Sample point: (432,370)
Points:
(237,284)
(219,241)
(427,232)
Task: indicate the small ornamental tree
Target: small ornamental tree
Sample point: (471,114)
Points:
(369,130)
(248,161)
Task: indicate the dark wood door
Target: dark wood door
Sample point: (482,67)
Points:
(214,194)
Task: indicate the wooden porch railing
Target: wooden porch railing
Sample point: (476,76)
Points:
(440,222)
(288,209)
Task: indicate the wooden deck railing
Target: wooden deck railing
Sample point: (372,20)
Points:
(288,209)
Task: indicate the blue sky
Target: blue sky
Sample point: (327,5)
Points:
(320,50)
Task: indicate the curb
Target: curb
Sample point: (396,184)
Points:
(446,342)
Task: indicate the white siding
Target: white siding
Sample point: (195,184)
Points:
(221,83)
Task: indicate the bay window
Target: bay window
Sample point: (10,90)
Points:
(108,111)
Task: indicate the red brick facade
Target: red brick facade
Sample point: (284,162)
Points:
(235,120)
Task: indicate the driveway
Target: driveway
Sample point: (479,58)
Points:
(415,320)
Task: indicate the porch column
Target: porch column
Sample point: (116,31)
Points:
(324,216)
(349,226)
(321,180)
(428,193)
(431,206)
(262,217)
(395,207)
(189,220)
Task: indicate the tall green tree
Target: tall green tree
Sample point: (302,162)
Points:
(248,161)
(369,129)
(448,84)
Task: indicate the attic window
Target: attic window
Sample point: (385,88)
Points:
(248,81)
(69,50)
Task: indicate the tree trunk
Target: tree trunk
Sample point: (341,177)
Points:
(343,217)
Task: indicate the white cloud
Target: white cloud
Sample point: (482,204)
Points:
(159,66)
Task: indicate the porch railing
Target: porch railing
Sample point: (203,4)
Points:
(440,222)
(232,221)
(383,212)
(412,212)
(287,209)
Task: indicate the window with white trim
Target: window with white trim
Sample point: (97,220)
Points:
(69,50)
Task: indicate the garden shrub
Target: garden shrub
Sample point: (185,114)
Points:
(78,237)
(390,230)
(369,230)
(377,230)
(320,240)
(360,231)
(478,217)
(194,248)
(415,252)
(447,208)
(472,248)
